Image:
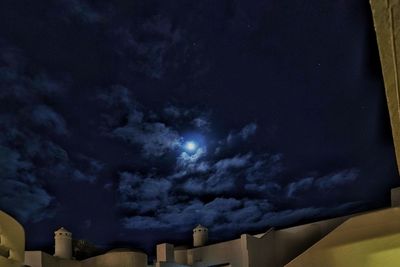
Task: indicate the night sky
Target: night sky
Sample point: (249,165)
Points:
(130,122)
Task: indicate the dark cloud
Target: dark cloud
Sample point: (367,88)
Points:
(143,194)
(108,186)
(302,185)
(148,44)
(334,180)
(229,214)
(78,10)
(20,192)
(26,201)
(201,123)
(20,86)
(174,112)
(196,117)
(234,138)
(29,162)
(30,151)
(45,116)
(330,181)
(247,131)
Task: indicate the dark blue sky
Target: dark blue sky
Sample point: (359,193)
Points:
(284,100)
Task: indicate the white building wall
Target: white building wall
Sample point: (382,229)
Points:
(12,241)
(226,252)
(180,256)
(117,259)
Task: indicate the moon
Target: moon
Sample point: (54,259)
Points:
(190,146)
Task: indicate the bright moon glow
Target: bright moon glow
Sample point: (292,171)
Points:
(191,146)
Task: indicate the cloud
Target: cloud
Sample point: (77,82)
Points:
(45,116)
(147,55)
(20,193)
(90,164)
(220,177)
(330,181)
(54,161)
(291,216)
(222,190)
(242,192)
(229,215)
(155,133)
(142,194)
(11,163)
(17,86)
(196,118)
(173,112)
(189,162)
(78,10)
(189,214)
(80,176)
(201,123)
(26,201)
(236,137)
(246,173)
(299,186)
(338,179)
(108,186)
(247,131)
(143,223)
(118,97)
(237,161)
(46,86)
(155,138)
(158,201)
(30,157)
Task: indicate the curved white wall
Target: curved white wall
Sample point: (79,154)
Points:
(12,241)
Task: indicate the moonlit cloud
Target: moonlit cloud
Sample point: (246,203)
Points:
(249,179)
(155,136)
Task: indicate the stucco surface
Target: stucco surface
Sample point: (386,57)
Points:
(112,259)
(41,259)
(386,15)
(224,252)
(368,240)
(117,259)
(12,241)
